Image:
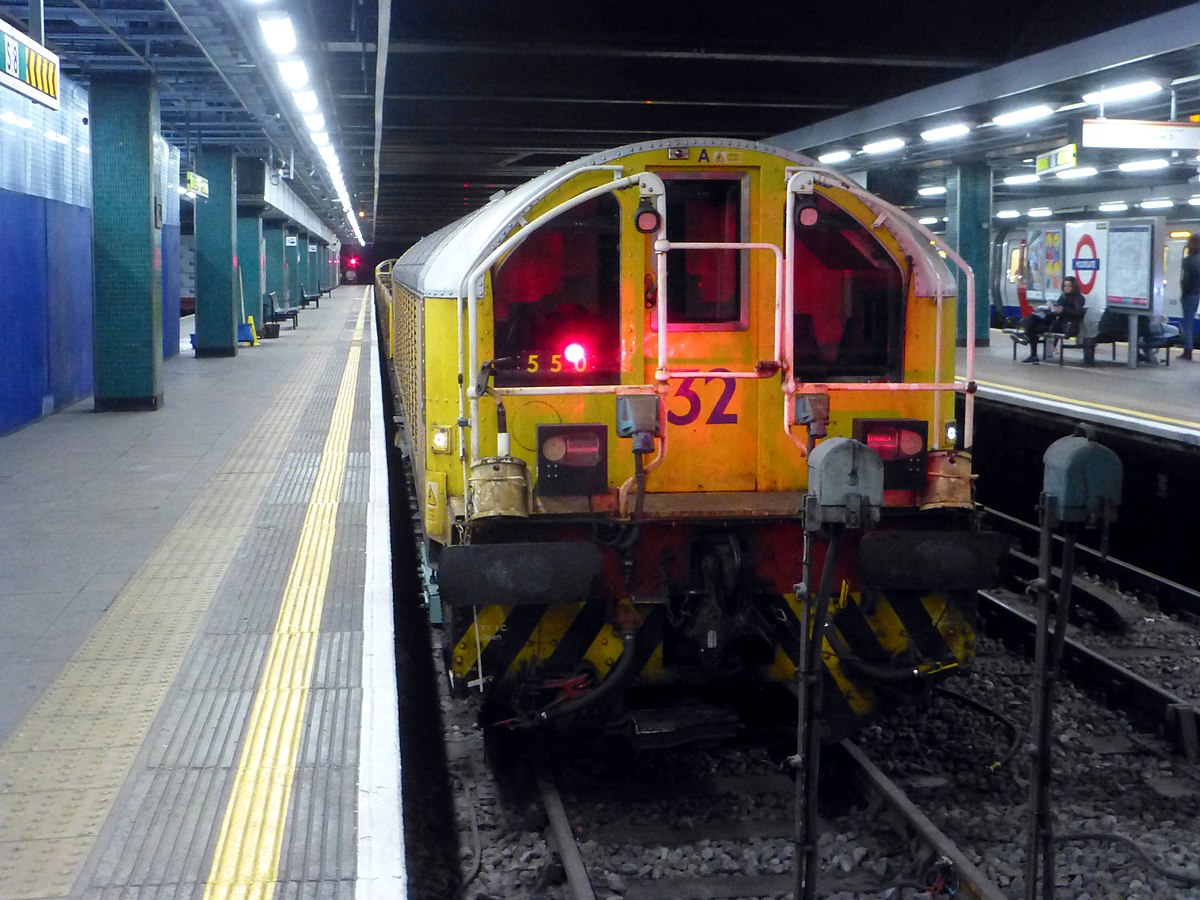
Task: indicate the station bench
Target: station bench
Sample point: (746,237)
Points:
(1057,343)
(273,312)
(307,298)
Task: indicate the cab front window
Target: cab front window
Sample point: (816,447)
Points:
(849,299)
(557,301)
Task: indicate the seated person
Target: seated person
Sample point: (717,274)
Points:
(1063,317)
(1153,332)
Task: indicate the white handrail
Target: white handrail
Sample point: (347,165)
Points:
(505,246)
(661,247)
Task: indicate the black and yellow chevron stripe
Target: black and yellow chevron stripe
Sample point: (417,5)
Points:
(931,631)
(41,73)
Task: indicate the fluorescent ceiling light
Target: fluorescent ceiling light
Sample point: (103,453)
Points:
(1156,204)
(1021,116)
(1123,92)
(306,101)
(278,33)
(1143,165)
(946,132)
(929,220)
(1077,172)
(315,122)
(320,138)
(1040,212)
(52,135)
(1027,178)
(935,190)
(1193,201)
(887,145)
(294,73)
(1007,213)
(836,156)
(1117,206)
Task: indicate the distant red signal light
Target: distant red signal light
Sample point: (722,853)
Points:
(352,262)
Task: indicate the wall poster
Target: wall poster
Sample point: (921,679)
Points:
(1130,257)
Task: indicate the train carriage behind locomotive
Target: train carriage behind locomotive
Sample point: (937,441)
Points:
(611,379)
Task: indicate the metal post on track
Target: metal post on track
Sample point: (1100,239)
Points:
(1081,486)
(845,490)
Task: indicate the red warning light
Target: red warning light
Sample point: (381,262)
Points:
(352,262)
(575,355)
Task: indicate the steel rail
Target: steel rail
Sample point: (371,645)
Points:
(1141,698)
(1170,595)
(871,779)
(564,838)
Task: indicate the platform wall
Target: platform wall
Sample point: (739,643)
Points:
(45,256)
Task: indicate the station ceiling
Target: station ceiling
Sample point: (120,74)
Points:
(477,97)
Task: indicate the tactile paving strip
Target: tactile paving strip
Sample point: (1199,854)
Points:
(85,716)
(206,711)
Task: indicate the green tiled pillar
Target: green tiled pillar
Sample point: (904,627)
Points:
(306,265)
(274,233)
(251,268)
(218,303)
(969,208)
(322,270)
(292,255)
(126,244)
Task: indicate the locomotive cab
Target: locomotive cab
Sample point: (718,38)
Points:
(612,378)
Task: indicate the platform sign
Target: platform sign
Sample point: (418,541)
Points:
(312,248)
(1140,134)
(291,241)
(1086,251)
(197,184)
(1066,157)
(29,68)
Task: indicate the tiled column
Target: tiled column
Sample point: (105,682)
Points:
(126,244)
(969,208)
(274,234)
(292,255)
(251,267)
(218,303)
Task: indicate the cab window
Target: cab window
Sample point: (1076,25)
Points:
(849,299)
(705,287)
(557,301)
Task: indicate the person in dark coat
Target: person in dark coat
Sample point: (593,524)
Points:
(1189,293)
(1063,317)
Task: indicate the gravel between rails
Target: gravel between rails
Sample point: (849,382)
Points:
(1107,778)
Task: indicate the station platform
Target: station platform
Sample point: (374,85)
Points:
(196,638)
(1157,400)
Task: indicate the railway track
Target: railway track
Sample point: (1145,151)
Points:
(1138,644)
(591,848)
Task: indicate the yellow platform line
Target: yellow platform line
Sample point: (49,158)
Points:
(1103,407)
(246,861)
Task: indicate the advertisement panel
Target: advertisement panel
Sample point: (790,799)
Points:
(1130,266)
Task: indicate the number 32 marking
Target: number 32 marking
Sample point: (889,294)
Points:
(720,414)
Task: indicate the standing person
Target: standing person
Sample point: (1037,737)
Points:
(1064,315)
(1189,293)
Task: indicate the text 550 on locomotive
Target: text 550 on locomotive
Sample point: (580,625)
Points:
(612,380)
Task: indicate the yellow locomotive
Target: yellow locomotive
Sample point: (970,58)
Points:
(611,380)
